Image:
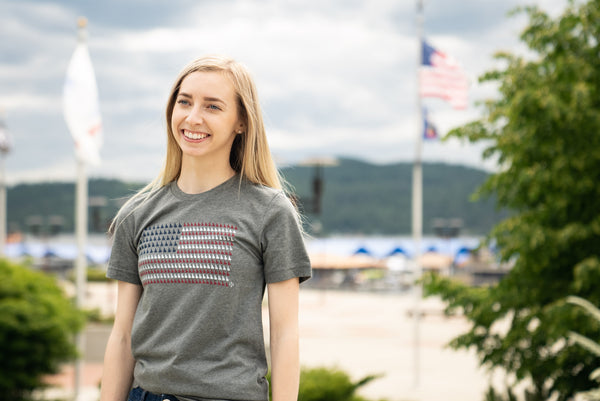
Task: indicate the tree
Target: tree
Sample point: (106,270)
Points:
(544,129)
(587,343)
(37,323)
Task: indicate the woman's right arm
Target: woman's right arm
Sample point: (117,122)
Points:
(117,374)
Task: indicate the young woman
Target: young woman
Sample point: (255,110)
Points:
(195,249)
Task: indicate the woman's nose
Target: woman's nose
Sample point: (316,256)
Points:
(195,116)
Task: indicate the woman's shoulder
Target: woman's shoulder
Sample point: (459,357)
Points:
(140,202)
(262,193)
(268,201)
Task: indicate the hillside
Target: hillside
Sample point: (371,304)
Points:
(363,198)
(358,198)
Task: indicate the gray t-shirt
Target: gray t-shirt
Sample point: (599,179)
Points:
(203,261)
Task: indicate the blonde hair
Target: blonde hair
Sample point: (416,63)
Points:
(250,155)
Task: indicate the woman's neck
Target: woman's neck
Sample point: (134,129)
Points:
(198,175)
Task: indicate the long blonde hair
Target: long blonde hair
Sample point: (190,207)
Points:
(250,155)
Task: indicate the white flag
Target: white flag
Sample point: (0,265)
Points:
(81,106)
(5,143)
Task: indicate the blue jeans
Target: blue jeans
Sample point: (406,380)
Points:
(139,394)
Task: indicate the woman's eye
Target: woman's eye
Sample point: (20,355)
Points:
(213,107)
(183,102)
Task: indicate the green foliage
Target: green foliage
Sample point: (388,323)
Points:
(93,274)
(58,199)
(95,315)
(323,384)
(544,129)
(509,395)
(329,384)
(37,323)
(97,274)
(589,344)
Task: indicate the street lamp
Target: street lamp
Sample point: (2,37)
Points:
(317,181)
(96,204)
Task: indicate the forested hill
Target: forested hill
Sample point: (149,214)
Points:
(363,198)
(358,198)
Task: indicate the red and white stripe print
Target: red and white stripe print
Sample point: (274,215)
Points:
(189,253)
(442,76)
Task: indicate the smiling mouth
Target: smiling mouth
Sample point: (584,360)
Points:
(195,136)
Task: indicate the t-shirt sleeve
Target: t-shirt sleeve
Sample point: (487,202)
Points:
(284,252)
(123,262)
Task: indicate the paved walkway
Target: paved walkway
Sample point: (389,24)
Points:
(365,333)
(361,333)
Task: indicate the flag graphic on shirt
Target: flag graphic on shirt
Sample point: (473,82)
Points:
(442,77)
(190,253)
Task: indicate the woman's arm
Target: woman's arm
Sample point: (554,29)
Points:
(118,360)
(283,322)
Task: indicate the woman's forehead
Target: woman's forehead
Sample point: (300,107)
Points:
(208,83)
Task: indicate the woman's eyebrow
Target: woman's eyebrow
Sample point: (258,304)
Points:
(205,98)
(213,99)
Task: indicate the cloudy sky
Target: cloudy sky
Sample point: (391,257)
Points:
(335,77)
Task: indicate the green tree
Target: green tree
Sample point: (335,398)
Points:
(587,343)
(37,323)
(544,129)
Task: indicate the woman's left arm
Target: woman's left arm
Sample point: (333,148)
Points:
(283,322)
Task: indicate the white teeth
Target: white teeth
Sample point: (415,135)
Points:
(192,135)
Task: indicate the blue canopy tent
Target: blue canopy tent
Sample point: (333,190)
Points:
(397,251)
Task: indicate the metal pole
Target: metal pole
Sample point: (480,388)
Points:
(2,205)
(417,201)
(81,201)
(81,195)
(4,149)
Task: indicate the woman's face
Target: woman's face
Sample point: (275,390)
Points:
(205,117)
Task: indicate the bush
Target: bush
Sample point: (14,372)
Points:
(37,324)
(329,384)
(93,274)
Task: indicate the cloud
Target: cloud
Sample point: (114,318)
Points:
(333,76)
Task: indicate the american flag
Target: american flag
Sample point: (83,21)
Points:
(442,77)
(189,253)
(429,130)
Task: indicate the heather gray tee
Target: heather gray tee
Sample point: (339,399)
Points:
(203,261)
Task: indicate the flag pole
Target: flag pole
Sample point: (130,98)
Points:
(2,205)
(81,265)
(81,200)
(4,149)
(417,202)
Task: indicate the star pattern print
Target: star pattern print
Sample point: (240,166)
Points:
(190,253)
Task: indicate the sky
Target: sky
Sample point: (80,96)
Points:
(336,78)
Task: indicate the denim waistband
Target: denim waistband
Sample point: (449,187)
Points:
(139,394)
